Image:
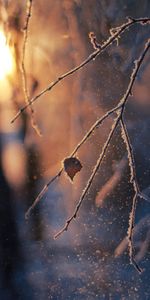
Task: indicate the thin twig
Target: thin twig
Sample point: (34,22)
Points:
(23,69)
(133,177)
(120,112)
(119,109)
(91,131)
(136,190)
(137,63)
(96,167)
(125,136)
(113,35)
(84,139)
(41,194)
(132,162)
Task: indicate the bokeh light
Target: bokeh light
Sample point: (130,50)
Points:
(7,62)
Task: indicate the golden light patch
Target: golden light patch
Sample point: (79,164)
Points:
(6,57)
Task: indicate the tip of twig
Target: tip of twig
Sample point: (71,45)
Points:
(136,266)
(65,228)
(13,120)
(58,234)
(27,214)
(15,117)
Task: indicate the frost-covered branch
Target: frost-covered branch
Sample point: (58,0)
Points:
(126,139)
(90,180)
(133,180)
(120,107)
(119,111)
(114,34)
(78,146)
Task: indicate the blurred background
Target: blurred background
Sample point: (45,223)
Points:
(90,260)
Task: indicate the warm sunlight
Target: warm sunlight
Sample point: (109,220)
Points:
(6,64)
(75,150)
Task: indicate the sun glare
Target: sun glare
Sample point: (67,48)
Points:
(6,58)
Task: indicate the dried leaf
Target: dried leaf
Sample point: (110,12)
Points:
(72,165)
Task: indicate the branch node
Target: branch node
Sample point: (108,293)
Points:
(94,41)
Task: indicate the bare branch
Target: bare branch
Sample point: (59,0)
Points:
(136,189)
(41,194)
(85,138)
(114,34)
(120,112)
(96,167)
(24,76)
(120,107)
(126,139)
(137,63)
